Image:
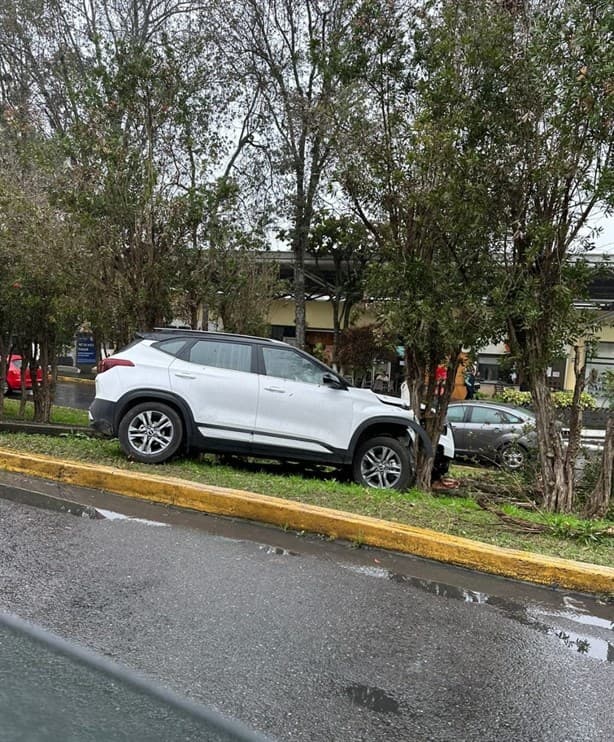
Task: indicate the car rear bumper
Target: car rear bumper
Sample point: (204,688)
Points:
(102,416)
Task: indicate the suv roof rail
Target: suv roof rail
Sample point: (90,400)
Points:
(212,333)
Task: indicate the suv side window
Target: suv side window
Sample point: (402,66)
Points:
(233,356)
(287,364)
(173,347)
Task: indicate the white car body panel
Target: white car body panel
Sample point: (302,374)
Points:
(150,370)
(297,414)
(223,401)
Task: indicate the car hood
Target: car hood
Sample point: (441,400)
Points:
(396,401)
(370,396)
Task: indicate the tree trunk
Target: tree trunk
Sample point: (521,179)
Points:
(336,330)
(599,502)
(26,359)
(557,479)
(299,293)
(43,393)
(433,415)
(575,420)
(193,315)
(3,369)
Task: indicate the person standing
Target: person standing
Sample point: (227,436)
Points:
(470,383)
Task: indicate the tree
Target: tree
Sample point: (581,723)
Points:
(43,262)
(416,170)
(133,96)
(348,245)
(359,347)
(287,52)
(125,164)
(246,289)
(555,163)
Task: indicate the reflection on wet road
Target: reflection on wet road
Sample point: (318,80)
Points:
(565,622)
(77,394)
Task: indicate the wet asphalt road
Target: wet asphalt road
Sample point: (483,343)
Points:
(308,640)
(77,394)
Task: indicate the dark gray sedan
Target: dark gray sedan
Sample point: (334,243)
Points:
(494,432)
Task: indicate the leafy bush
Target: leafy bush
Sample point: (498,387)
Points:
(587,532)
(513,396)
(562,400)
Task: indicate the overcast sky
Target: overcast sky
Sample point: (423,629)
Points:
(605,241)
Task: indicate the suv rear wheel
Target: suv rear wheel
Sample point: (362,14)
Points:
(383,462)
(150,432)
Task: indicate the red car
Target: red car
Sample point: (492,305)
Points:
(13,376)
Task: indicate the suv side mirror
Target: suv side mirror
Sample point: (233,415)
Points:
(332,381)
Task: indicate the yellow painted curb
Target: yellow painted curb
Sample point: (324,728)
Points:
(76,379)
(462,552)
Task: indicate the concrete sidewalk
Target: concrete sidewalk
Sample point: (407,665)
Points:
(425,543)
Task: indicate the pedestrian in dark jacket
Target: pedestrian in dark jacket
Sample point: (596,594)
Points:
(470,383)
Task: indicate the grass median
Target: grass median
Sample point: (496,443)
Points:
(459,513)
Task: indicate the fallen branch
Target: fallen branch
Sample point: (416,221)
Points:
(526,526)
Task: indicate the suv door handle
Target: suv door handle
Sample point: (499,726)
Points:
(274,389)
(185,376)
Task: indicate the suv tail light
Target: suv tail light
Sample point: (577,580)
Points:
(106,363)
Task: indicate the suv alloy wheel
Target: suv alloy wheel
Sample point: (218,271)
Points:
(383,462)
(151,432)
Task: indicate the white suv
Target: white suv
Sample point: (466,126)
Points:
(176,390)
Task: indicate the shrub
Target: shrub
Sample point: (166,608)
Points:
(513,396)
(561,400)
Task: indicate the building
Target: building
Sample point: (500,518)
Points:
(494,370)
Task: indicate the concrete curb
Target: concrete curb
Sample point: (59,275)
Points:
(76,379)
(47,502)
(20,426)
(429,544)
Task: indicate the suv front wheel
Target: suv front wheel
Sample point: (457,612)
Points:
(150,432)
(383,462)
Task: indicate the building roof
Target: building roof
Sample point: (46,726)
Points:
(320,275)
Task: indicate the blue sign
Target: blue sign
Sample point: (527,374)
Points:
(86,350)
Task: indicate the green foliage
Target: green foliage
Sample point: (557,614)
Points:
(349,245)
(560,400)
(319,351)
(557,127)
(59,415)
(585,531)
(608,387)
(564,400)
(360,346)
(41,254)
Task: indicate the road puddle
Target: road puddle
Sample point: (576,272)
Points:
(277,550)
(567,622)
(374,699)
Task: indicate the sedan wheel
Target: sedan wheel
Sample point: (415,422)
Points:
(513,456)
(383,463)
(150,432)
